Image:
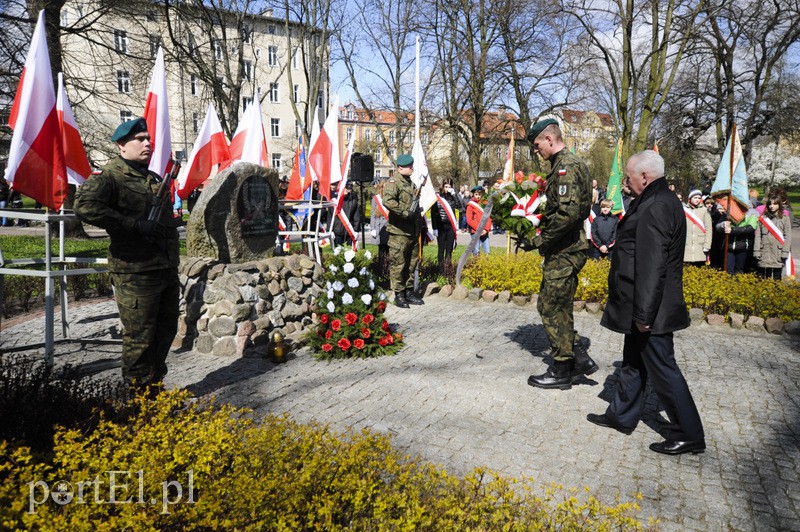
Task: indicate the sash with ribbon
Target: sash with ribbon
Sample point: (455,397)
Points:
(282,227)
(789,267)
(526,207)
(773,229)
(692,217)
(379,204)
(444,204)
(477,206)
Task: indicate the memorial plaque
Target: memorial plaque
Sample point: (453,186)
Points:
(256,207)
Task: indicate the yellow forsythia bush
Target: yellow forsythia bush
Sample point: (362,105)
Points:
(194,466)
(713,291)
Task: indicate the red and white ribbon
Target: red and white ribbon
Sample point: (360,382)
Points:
(773,229)
(789,267)
(379,205)
(692,217)
(444,204)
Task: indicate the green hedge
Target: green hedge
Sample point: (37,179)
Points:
(713,291)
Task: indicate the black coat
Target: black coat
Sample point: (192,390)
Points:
(645,284)
(353,213)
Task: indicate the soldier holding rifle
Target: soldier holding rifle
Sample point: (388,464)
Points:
(134,206)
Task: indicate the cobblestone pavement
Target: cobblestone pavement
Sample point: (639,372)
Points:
(457,396)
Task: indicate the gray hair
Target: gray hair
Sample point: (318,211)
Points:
(648,161)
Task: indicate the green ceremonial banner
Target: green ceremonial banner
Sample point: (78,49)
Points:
(615,181)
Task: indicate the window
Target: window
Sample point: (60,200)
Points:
(125,115)
(121,41)
(271,29)
(272,55)
(247,69)
(217,49)
(155,44)
(123,81)
(424,138)
(391,138)
(258,53)
(64,17)
(321,99)
(295,60)
(392,154)
(367,134)
(273,92)
(195,121)
(350,113)
(275,127)
(378,155)
(296,93)
(276,162)
(247,34)
(349,133)
(191,45)
(246,101)
(193,84)
(180,155)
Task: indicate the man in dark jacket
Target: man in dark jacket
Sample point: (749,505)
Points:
(353,213)
(143,255)
(645,302)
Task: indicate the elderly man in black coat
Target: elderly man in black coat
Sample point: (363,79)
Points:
(645,303)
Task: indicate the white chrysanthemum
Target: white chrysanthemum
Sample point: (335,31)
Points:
(371,284)
(349,255)
(367,255)
(347,298)
(337,285)
(382,296)
(331,306)
(348,267)
(333,268)
(330,293)
(328,285)
(367,299)
(363,271)
(352,282)
(337,250)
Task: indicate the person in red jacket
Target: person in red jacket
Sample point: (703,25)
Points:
(474,215)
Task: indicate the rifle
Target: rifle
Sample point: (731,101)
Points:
(156,208)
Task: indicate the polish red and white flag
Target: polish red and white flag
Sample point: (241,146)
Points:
(156,114)
(78,167)
(249,143)
(209,154)
(36,157)
(323,152)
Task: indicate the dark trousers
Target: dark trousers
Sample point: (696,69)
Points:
(736,261)
(652,355)
(446,239)
(771,273)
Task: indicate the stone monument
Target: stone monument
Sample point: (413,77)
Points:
(235,219)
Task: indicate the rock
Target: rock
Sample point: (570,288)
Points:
(241,278)
(755,324)
(274,287)
(246,328)
(222,326)
(446,291)
(279,301)
(291,310)
(215,271)
(260,337)
(520,300)
(212,296)
(293,296)
(716,320)
(202,325)
(262,307)
(244,267)
(276,318)
(221,308)
(242,312)
(504,296)
(295,283)
(263,292)
(593,307)
(248,293)
(578,306)
(263,323)
(736,320)
(289,328)
(792,327)
(197,268)
(475,294)
(696,315)
(489,296)
(430,288)
(307,264)
(460,293)
(774,325)
(534,299)
(225,347)
(204,343)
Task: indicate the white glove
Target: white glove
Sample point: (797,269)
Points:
(374,233)
(435,232)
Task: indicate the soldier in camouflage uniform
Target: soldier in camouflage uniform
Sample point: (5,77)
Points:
(401,200)
(143,255)
(562,243)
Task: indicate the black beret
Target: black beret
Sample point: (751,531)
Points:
(131,127)
(538,127)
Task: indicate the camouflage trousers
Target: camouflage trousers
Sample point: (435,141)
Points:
(555,304)
(148,309)
(403,256)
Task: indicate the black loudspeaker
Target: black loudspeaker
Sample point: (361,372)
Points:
(362,168)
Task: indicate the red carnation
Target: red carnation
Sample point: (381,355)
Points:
(367,319)
(389,339)
(336,325)
(344,344)
(327,347)
(350,318)
(328,334)
(365,332)
(382,342)
(358,343)
(381,306)
(385,326)
(324,319)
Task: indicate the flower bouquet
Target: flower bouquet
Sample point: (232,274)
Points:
(350,311)
(519,207)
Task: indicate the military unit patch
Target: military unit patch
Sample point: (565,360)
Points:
(562,189)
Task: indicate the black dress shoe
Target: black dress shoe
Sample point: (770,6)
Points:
(679,447)
(603,421)
(400,300)
(555,377)
(413,299)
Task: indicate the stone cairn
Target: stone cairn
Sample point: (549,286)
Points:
(236,294)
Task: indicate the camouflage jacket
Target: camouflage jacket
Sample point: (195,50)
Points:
(569,198)
(114,201)
(398,195)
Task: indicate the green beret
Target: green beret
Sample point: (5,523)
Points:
(131,127)
(477,188)
(538,127)
(405,160)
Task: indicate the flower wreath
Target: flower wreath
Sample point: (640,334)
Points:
(519,206)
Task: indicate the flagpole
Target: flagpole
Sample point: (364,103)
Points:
(730,198)
(416,136)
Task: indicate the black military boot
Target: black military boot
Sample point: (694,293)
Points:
(413,298)
(584,365)
(557,376)
(400,300)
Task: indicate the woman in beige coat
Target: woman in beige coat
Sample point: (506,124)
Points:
(768,250)
(699,230)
